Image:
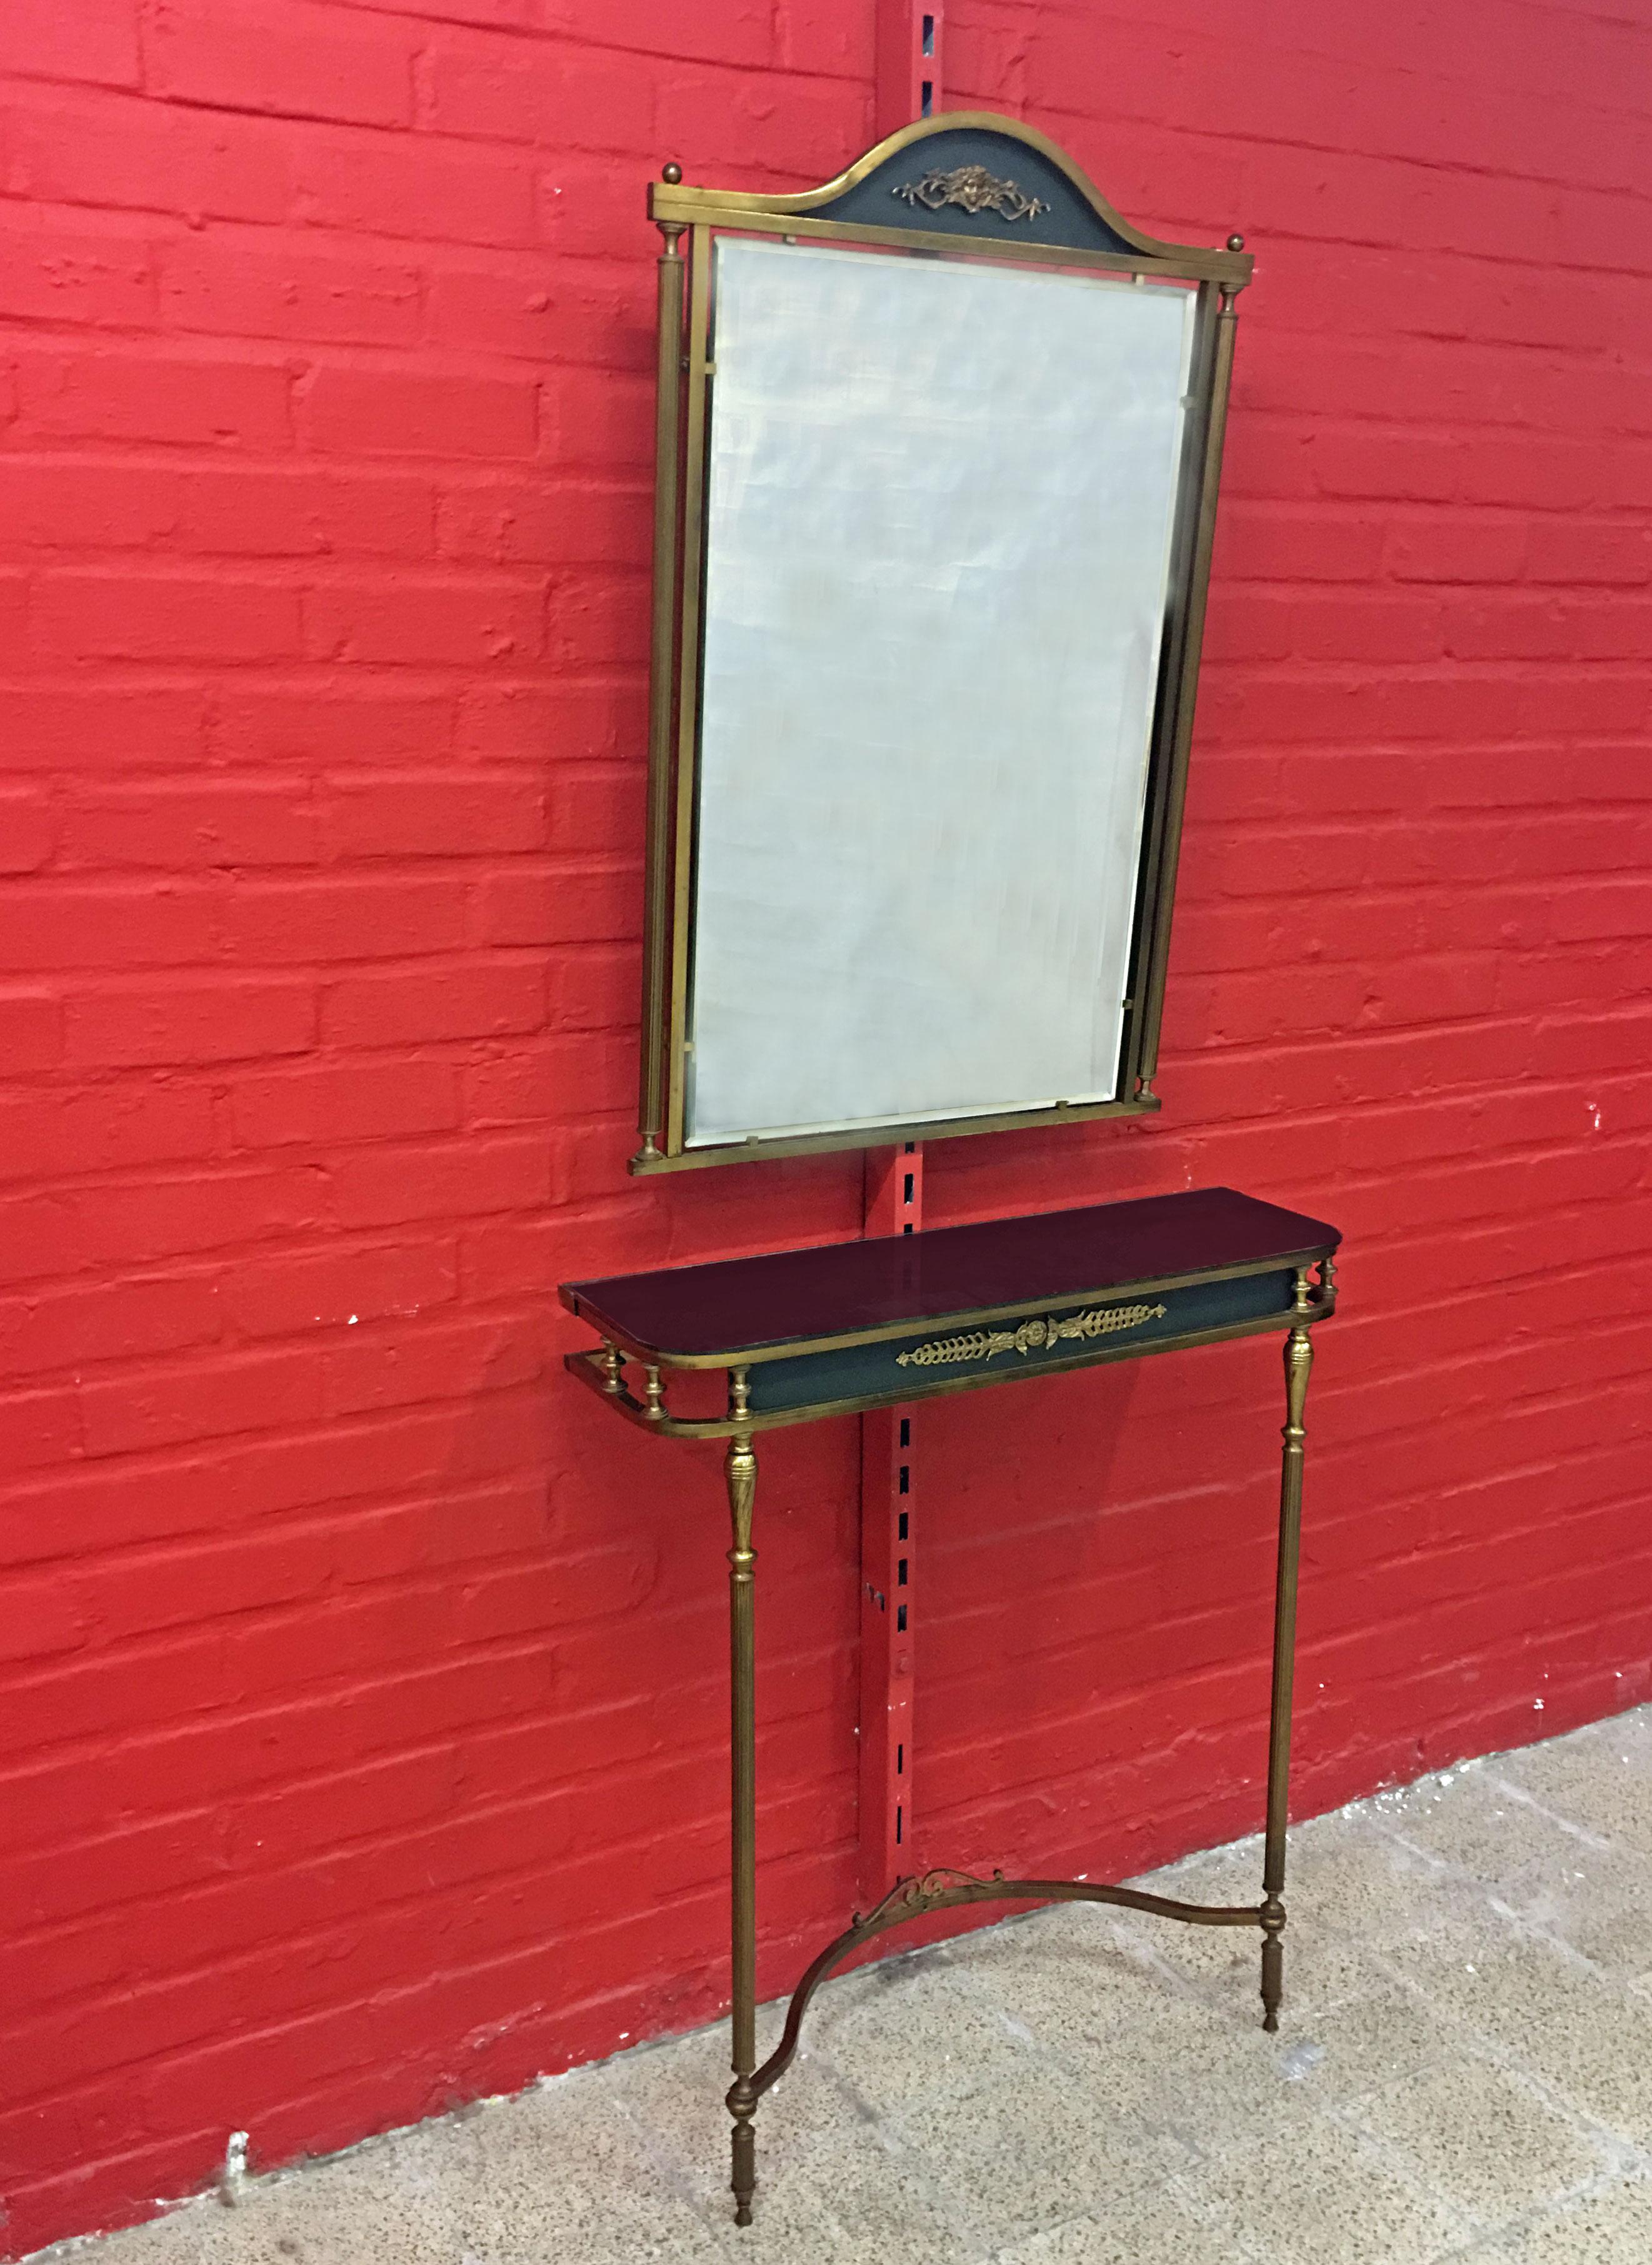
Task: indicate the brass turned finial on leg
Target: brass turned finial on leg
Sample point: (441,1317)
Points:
(1273,1961)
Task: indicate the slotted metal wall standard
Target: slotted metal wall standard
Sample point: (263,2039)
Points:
(889,1568)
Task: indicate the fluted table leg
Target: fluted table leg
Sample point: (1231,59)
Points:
(1298,1360)
(740,1467)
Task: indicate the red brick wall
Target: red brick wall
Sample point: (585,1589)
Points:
(363,1715)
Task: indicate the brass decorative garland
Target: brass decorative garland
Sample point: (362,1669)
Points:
(985,1345)
(974,188)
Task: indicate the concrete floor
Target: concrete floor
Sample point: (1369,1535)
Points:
(1464,2071)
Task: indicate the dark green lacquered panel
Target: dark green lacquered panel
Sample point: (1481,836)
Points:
(919,188)
(1043,1337)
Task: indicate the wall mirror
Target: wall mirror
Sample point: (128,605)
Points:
(938,448)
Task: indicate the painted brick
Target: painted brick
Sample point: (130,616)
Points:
(485,998)
(226,1019)
(461,814)
(742,32)
(553,905)
(102,1127)
(595,988)
(508,722)
(224,285)
(146,1221)
(281,1296)
(462,621)
(174,825)
(805,131)
(554,1080)
(154,1408)
(118,617)
(1451,548)
(588,626)
(1574,552)
(40,1430)
(596,419)
(54,272)
(31,1030)
(14,620)
(466,1181)
(499,89)
(150,156)
(551,525)
(96,42)
(41,1619)
(153,396)
(89,729)
(405,1364)
(104,922)
(292,61)
(505,308)
(419,189)
(61,1328)
(28,830)
(359,412)
(52,502)
(264,514)
(360,1100)
(271,722)
(363,916)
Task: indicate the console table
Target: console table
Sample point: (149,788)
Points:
(804,1334)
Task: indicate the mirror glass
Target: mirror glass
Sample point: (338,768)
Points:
(939,510)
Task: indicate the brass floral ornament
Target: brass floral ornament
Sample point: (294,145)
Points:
(975,189)
(982,1344)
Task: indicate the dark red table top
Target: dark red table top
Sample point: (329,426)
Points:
(835,1290)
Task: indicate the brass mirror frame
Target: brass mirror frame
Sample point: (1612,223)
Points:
(682,429)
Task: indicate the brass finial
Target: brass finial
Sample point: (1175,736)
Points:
(1234,243)
(672,173)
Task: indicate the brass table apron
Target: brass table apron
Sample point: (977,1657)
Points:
(870,1360)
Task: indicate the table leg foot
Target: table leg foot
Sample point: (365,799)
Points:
(741,2102)
(1273,1963)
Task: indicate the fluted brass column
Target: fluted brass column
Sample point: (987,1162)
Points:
(667,419)
(1298,1360)
(740,1467)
